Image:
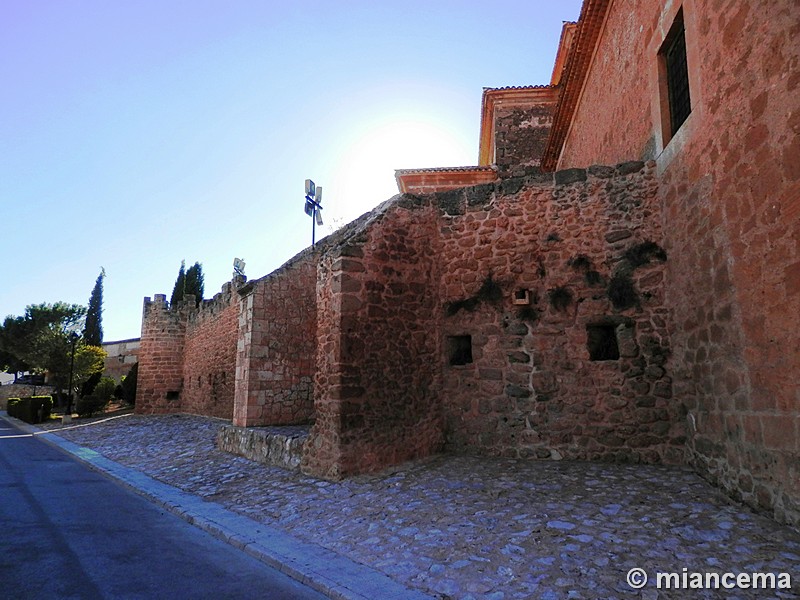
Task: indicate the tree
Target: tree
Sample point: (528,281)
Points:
(195,282)
(180,286)
(189,282)
(44,339)
(13,341)
(93,330)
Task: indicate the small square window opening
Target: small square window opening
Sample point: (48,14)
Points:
(459,349)
(602,342)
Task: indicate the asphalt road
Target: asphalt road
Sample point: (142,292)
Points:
(67,532)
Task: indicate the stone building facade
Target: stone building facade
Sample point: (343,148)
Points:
(540,305)
(121,355)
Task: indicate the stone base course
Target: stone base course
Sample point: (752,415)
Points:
(276,446)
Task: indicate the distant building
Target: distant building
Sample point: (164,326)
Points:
(121,355)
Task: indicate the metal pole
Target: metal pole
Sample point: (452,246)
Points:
(71,369)
(314,226)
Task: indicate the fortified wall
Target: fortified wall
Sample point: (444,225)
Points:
(520,318)
(524,318)
(187,356)
(640,312)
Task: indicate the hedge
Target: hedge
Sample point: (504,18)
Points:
(33,409)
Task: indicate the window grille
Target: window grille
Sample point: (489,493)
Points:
(677,75)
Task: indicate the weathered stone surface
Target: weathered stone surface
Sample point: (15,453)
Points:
(275,446)
(519,528)
(567,176)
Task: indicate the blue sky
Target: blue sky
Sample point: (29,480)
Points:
(137,134)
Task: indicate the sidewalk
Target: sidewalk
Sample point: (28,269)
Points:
(448,527)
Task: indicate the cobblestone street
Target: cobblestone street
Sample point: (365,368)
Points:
(468,527)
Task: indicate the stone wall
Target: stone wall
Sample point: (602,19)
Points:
(378,354)
(21,390)
(274,446)
(160,378)
(463,320)
(277,346)
(209,355)
(187,356)
(528,272)
(520,137)
(729,184)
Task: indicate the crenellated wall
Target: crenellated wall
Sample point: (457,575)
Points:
(160,379)
(187,356)
(640,312)
(209,354)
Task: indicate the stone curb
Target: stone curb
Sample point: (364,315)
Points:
(320,569)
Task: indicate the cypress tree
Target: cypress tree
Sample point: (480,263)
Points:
(195,283)
(180,286)
(93,328)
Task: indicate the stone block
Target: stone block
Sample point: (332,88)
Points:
(568,176)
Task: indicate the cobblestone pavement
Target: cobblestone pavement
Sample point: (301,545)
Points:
(467,527)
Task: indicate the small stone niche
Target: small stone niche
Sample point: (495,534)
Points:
(522,297)
(173,395)
(601,340)
(459,350)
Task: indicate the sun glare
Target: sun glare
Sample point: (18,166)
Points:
(364,175)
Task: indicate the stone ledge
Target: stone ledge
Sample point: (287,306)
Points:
(276,446)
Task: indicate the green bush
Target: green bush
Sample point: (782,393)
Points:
(34,409)
(129,384)
(98,399)
(11,406)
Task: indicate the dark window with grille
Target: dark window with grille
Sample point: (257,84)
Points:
(677,75)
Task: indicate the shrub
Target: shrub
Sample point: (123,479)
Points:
(528,313)
(581,262)
(593,277)
(34,409)
(98,399)
(642,254)
(129,384)
(11,406)
(490,292)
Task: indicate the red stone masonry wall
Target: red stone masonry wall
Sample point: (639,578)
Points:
(377,363)
(187,355)
(209,355)
(277,346)
(394,295)
(531,389)
(729,184)
(160,379)
(612,122)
